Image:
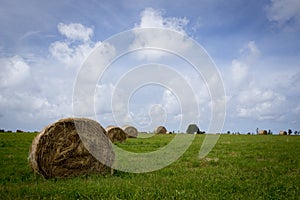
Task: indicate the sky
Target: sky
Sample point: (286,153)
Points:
(254,46)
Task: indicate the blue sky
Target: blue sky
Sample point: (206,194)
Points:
(254,45)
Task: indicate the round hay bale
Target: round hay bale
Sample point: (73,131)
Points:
(192,129)
(58,150)
(115,134)
(131,131)
(160,130)
(262,132)
(282,133)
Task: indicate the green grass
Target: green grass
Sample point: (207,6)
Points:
(239,167)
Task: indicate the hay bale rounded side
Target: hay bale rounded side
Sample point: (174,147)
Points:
(131,131)
(115,134)
(262,132)
(160,130)
(58,150)
(282,133)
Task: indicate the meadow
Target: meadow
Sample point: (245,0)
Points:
(238,167)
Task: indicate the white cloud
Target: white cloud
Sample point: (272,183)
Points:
(239,72)
(249,56)
(14,71)
(151,18)
(70,52)
(170,103)
(75,31)
(260,104)
(284,12)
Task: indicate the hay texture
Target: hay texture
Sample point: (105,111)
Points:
(59,151)
(115,134)
(160,130)
(131,131)
(262,132)
(282,133)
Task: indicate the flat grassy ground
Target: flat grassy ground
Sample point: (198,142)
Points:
(239,167)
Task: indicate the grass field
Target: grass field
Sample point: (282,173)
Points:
(239,167)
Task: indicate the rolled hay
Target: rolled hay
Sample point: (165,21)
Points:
(115,134)
(131,131)
(160,130)
(192,129)
(282,133)
(262,132)
(59,151)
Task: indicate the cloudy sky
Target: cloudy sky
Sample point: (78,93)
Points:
(254,45)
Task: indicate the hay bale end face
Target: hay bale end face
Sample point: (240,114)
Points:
(282,133)
(160,130)
(131,131)
(58,151)
(262,132)
(115,134)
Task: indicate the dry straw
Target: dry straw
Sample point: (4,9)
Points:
(58,150)
(115,134)
(262,132)
(131,131)
(160,130)
(282,133)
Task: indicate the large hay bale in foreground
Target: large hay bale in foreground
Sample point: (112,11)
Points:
(131,131)
(262,132)
(282,133)
(115,134)
(58,150)
(160,130)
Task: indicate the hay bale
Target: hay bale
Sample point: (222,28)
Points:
(262,132)
(58,150)
(131,131)
(192,129)
(115,134)
(282,133)
(160,130)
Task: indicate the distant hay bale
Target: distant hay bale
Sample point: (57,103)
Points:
(115,134)
(131,131)
(192,129)
(282,133)
(160,130)
(262,132)
(58,150)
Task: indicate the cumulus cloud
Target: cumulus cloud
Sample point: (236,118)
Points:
(14,71)
(77,46)
(151,18)
(75,31)
(23,100)
(284,12)
(260,104)
(240,67)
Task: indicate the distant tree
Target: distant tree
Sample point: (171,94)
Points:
(192,128)
(270,132)
(248,133)
(228,132)
(2,130)
(257,130)
(290,131)
(296,132)
(19,131)
(9,131)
